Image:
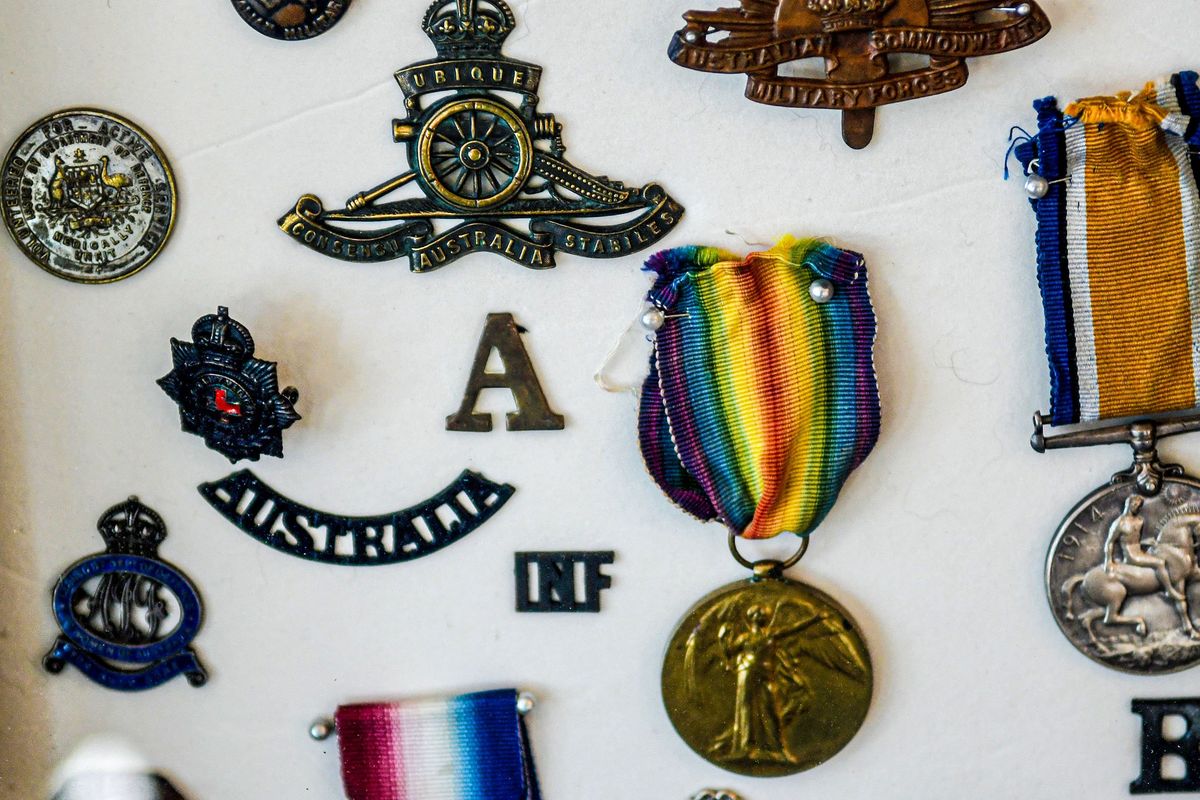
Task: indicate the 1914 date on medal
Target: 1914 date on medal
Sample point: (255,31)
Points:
(1122,576)
(291,20)
(88,196)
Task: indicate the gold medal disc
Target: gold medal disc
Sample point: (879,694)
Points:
(767,677)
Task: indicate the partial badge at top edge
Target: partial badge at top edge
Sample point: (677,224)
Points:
(479,158)
(88,196)
(291,20)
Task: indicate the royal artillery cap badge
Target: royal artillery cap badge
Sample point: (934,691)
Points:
(225,394)
(127,618)
(856,39)
(482,160)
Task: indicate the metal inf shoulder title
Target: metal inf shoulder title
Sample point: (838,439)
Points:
(476,158)
(856,39)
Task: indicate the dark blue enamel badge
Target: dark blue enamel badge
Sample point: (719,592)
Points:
(127,618)
(225,394)
(478,157)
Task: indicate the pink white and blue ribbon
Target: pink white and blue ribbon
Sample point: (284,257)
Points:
(469,747)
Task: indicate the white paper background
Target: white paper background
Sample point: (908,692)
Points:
(937,544)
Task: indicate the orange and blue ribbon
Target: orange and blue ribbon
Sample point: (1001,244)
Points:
(1118,247)
(760,400)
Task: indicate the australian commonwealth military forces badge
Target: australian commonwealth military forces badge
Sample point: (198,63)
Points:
(856,39)
(481,160)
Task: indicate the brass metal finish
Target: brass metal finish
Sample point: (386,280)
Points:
(502,334)
(439,159)
(762,568)
(855,38)
(481,153)
(767,677)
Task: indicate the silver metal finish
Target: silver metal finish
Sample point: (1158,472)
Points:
(1121,575)
(1036,186)
(525,703)
(321,729)
(653,319)
(716,794)
(88,196)
(1147,472)
(821,291)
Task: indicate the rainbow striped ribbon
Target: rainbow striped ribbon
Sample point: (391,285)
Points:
(1118,246)
(760,401)
(470,747)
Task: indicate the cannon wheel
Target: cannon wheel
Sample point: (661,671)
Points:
(474,153)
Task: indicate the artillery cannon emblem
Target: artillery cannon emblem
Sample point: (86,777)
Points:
(855,38)
(478,158)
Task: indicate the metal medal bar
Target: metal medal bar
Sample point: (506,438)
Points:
(480,159)
(855,38)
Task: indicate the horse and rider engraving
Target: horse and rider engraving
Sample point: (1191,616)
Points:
(1133,567)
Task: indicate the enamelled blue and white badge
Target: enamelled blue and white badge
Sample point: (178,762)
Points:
(225,394)
(127,617)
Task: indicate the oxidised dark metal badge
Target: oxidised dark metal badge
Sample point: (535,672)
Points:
(291,19)
(855,38)
(126,607)
(88,196)
(313,535)
(478,157)
(226,395)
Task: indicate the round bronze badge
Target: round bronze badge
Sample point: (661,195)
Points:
(88,196)
(291,19)
(767,677)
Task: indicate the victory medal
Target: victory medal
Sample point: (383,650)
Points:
(88,196)
(760,401)
(1113,182)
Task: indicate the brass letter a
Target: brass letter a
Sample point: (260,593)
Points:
(533,412)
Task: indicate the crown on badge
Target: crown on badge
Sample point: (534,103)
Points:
(130,528)
(848,15)
(468,27)
(220,333)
